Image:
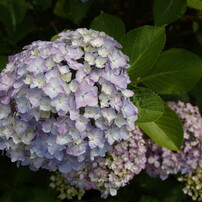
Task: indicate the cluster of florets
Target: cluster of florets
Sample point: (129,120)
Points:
(65,102)
(193,186)
(121,163)
(162,162)
(66,190)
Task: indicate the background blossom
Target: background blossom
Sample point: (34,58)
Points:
(193,183)
(162,162)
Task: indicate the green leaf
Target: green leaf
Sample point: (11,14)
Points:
(150,105)
(176,98)
(3,61)
(44,5)
(167,131)
(143,46)
(109,24)
(168,190)
(147,198)
(74,10)
(43,195)
(55,37)
(176,72)
(12,13)
(168,11)
(6,19)
(59,9)
(197,4)
(197,95)
(23,30)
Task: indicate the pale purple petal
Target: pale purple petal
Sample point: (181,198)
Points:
(61,103)
(81,123)
(53,87)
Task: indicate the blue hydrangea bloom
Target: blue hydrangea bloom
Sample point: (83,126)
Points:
(65,102)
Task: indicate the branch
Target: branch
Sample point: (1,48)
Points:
(191,18)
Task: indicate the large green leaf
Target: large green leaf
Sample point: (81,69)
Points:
(74,10)
(12,13)
(176,72)
(167,131)
(168,11)
(143,46)
(3,61)
(109,24)
(150,105)
(197,4)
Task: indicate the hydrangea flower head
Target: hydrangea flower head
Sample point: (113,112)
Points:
(193,183)
(66,190)
(122,162)
(162,162)
(65,102)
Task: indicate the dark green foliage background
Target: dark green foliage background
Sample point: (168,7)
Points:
(21,184)
(24,21)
